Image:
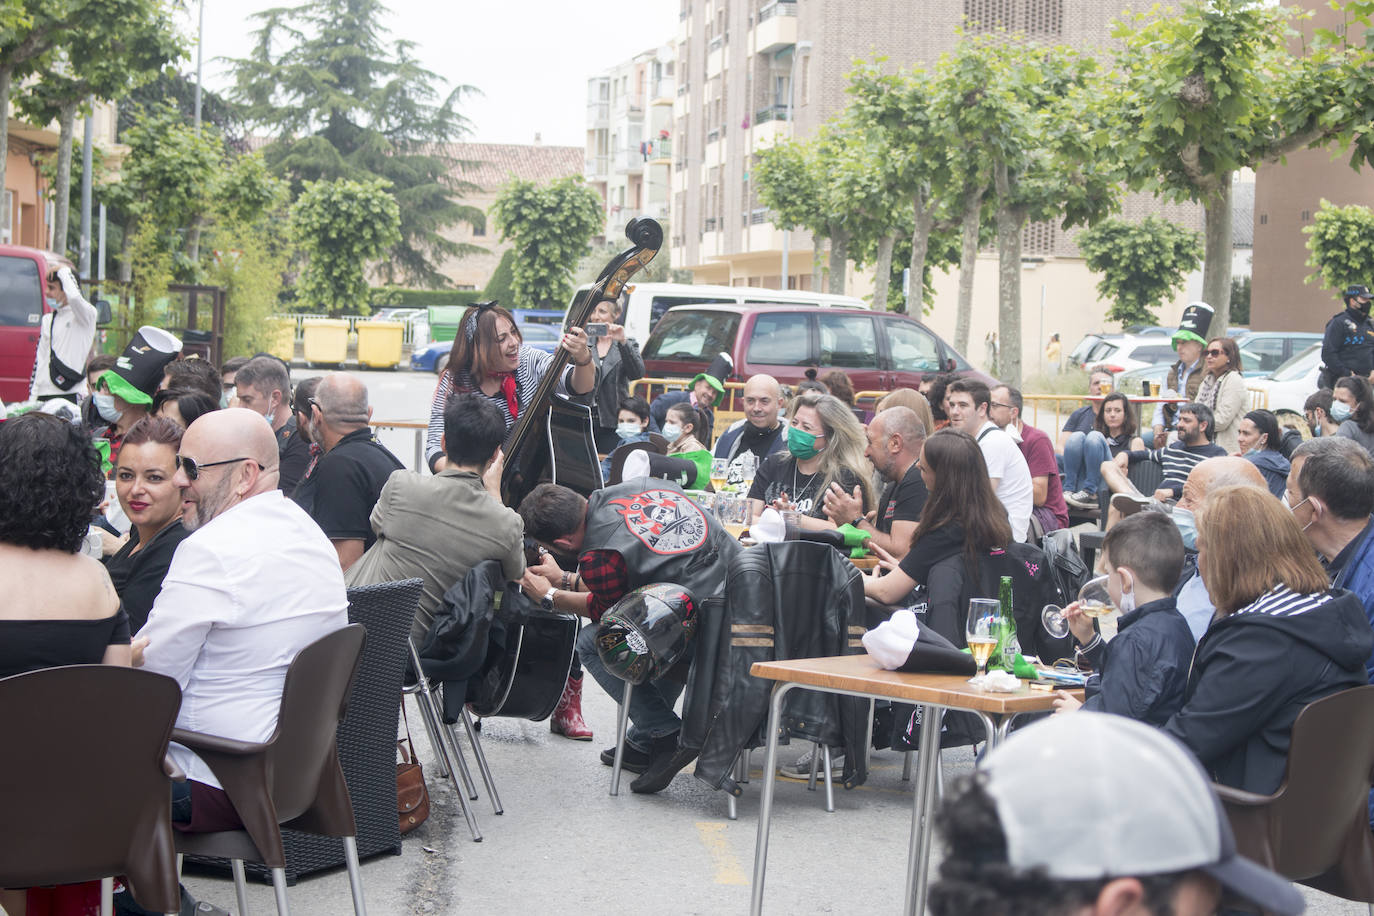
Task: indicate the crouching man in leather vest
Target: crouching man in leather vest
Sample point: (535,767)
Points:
(635,533)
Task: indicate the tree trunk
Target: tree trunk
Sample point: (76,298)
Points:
(1216,267)
(4,123)
(193,244)
(839,254)
(62,192)
(817,271)
(882,272)
(968,259)
(126,267)
(1009,220)
(920,246)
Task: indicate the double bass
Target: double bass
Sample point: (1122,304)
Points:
(552,440)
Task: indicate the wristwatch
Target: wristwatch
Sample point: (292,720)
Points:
(859,521)
(547,601)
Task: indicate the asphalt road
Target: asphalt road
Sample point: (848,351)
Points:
(564,846)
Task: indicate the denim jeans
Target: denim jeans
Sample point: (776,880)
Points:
(1083,457)
(651,704)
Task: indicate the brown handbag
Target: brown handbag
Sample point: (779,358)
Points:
(412,797)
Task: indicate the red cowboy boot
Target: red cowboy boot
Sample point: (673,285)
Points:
(567,715)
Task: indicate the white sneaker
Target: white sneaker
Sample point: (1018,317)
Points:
(802,768)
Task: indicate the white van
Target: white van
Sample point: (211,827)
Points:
(643,304)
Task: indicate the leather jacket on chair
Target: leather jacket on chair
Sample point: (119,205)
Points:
(794,599)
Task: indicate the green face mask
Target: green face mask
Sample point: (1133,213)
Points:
(801,444)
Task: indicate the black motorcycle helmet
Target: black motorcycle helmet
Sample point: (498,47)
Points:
(646,632)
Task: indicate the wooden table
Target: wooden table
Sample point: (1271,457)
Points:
(860,676)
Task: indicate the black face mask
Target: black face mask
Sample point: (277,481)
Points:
(1361,307)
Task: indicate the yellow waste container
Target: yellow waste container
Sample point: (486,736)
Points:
(281,338)
(326,341)
(379,344)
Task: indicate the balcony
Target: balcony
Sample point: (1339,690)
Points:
(618,218)
(660,150)
(661,92)
(598,114)
(777,112)
(774,8)
(597,168)
(629,162)
(777,27)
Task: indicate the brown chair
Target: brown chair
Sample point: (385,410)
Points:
(1314,829)
(89,797)
(293,779)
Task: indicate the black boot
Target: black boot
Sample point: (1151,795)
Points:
(665,760)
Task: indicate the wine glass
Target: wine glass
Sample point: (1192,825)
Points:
(981,631)
(720,472)
(748,465)
(1093,600)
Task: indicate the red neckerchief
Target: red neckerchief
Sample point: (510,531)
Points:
(508,389)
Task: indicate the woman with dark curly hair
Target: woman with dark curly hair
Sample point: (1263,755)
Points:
(60,607)
(152,503)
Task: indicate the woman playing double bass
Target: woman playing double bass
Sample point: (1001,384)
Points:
(489,356)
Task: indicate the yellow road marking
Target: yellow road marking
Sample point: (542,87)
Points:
(727,867)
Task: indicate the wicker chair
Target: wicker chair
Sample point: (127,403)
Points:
(367,737)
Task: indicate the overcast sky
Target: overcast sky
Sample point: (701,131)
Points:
(530,59)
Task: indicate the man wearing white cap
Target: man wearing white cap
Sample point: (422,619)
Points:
(1055,821)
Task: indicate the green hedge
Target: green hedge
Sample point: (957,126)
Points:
(420,298)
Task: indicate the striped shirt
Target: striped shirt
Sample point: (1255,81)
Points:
(528,372)
(1178,461)
(1282,601)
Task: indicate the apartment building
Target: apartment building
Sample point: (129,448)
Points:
(1287,198)
(753,72)
(629,138)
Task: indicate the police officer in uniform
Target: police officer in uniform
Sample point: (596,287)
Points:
(1348,345)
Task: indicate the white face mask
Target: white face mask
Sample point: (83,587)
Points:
(104,405)
(672,431)
(628,430)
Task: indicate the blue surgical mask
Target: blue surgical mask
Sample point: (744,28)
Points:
(105,406)
(1340,411)
(1187,526)
(672,431)
(53,303)
(628,430)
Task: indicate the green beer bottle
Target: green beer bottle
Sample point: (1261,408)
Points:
(1004,655)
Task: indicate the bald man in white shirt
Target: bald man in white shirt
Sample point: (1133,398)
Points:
(256,582)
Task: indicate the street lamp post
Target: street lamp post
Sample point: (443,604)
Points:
(802,47)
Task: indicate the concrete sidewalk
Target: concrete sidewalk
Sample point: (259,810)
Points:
(565,846)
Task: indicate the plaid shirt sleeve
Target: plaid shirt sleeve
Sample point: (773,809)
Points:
(607,580)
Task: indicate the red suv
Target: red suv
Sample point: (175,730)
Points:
(879,351)
(22,305)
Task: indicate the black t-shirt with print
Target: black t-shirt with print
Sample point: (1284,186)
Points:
(778,475)
(902,501)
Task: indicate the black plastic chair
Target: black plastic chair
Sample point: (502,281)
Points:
(89,796)
(293,779)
